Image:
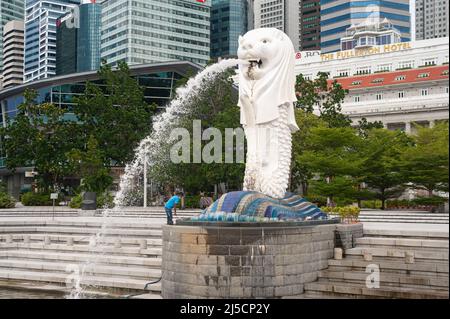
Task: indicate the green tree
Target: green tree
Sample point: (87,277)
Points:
(365,126)
(90,167)
(381,168)
(115,114)
(326,98)
(301,173)
(334,156)
(39,136)
(216,107)
(426,163)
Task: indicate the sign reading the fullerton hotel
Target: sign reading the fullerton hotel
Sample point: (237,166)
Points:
(388,48)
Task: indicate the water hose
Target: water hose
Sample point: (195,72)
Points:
(145,288)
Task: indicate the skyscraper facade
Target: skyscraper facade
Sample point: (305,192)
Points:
(78,39)
(12,53)
(338,16)
(9,10)
(66,46)
(229,20)
(40,36)
(89,36)
(281,14)
(432,19)
(145,31)
(309,25)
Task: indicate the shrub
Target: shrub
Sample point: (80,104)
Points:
(192,201)
(75,202)
(7,201)
(105,200)
(316,199)
(36,199)
(372,204)
(347,214)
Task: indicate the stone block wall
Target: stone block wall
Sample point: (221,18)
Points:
(346,235)
(243,262)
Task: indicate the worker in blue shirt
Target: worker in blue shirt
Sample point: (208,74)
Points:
(172,204)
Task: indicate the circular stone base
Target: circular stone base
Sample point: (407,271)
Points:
(244,260)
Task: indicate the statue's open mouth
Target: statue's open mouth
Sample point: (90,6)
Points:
(255,63)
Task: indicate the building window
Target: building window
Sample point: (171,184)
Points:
(343,73)
(384,67)
(429,62)
(356,99)
(356,83)
(363,70)
(401,94)
(379,96)
(423,75)
(400,78)
(379,80)
(446,89)
(424,92)
(405,65)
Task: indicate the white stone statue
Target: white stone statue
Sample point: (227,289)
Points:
(266,96)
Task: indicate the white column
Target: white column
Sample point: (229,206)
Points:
(408,127)
(432,123)
(145,179)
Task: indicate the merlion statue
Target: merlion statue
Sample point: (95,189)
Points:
(266,97)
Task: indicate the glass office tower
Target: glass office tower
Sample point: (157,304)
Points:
(145,31)
(338,16)
(89,37)
(40,36)
(228,22)
(78,42)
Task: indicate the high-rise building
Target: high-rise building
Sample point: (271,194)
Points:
(309,25)
(9,10)
(299,19)
(338,16)
(432,19)
(281,14)
(78,39)
(229,20)
(66,46)
(89,36)
(13,53)
(40,36)
(145,31)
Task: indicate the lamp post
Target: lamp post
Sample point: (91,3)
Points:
(145,179)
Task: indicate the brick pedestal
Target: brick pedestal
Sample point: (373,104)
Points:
(243,262)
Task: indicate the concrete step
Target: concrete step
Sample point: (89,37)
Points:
(350,290)
(110,250)
(386,279)
(397,253)
(78,258)
(403,220)
(88,231)
(408,233)
(403,243)
(67,268)
(97,223)
(401,213)
(98,281)
(77,239)
(431,268)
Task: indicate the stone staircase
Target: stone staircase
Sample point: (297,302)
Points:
(52,251)
(412,264)
(368,216)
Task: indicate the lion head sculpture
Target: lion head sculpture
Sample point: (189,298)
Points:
(267,80)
